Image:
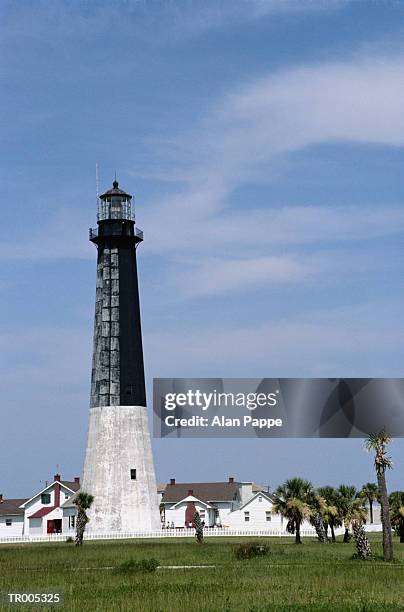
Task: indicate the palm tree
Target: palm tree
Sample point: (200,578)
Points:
(293,502)
(162,509)
(370,492)
(198,527)
(396,501)
(362,543)
(330,511)
(378,443)
(350,507)
(318,508)
(83,502)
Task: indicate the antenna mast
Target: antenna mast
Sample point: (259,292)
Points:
(97,181)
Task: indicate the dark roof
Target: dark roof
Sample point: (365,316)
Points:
(205,491)
(256,488)
(73,485)
(115,191)
(11,506)
(42,512)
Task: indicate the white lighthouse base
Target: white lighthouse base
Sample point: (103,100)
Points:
(118,443)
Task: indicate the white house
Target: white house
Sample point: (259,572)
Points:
(376,513)
(39,515)
(11,517)
(216,502)
(257,513)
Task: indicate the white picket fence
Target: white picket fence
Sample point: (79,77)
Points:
(170,533)
(161,533)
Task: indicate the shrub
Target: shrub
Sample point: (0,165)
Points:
(141,566)
(251,550)
(69,540)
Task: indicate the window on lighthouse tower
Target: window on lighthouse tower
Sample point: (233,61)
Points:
(116,207)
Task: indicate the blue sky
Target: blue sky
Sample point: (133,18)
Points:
(264,143)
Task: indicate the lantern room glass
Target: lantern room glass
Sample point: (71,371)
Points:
(115,207)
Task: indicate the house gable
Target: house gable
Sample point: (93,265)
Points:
(190,499)
(47,489)
(266,498)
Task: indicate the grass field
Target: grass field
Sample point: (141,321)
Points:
(306,577)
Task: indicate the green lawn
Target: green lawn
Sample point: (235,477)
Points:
(306,577)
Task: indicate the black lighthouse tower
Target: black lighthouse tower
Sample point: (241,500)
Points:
(118,469)
(118,371)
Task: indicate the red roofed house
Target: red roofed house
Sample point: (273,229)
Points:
(42,512)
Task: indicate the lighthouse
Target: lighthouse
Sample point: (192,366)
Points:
(118,468)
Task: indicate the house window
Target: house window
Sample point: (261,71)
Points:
(133,474)
(202,514)
(246,517)
(45,498)
(9,522)
(268,516)
(66,496)
(260,498)
(72,522)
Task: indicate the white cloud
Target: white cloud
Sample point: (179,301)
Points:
(263,229)
(208,276)
(46,359)
(362,340)
(243,137)
(160,20)
(194,18)
(263,7)
(355,101)
(213,275)
(51,240)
